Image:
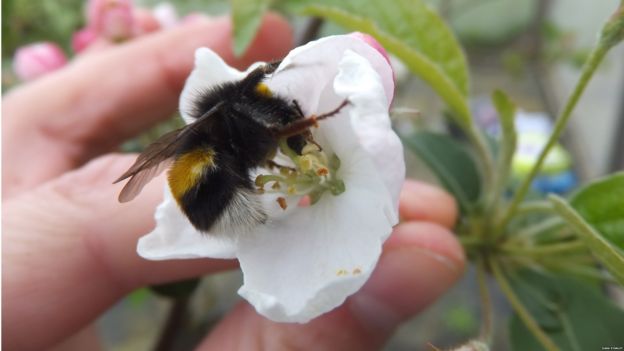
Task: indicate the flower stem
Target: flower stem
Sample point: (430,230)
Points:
(468,241)
(484,154)
(588,71)
(487,315)
(579,270)
(533,230)
(532,207)
(173,325)
(546,250)
(521,310)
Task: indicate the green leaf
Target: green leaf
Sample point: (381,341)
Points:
(451,163)
(574,315)
(176,290)
(601,203)
(506,112)
(246,17)
(414,33)
(608,254)
(138,297)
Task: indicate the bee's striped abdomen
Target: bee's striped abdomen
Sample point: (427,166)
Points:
(188,169)
(214,198)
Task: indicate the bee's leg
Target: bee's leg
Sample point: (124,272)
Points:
(273,164)
(301,125)
(270,67)
(298,108)
(308,137)
(256,76)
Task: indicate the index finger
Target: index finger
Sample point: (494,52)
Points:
(62,120)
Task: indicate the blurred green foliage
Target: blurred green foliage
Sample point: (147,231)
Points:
(27,21)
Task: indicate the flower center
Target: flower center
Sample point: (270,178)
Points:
(313,174)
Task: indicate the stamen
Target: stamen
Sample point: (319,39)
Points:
(314,173)
(282,203)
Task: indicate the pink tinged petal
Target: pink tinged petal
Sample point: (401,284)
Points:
(368,39)
(37,59)
(359,83)
(83,38)
(372,42)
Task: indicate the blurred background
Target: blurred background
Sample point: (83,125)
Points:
(532,49)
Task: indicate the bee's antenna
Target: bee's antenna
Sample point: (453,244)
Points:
(300,125)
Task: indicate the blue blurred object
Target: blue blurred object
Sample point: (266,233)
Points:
(559,183)
(533,130)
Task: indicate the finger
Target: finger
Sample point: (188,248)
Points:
(69,249)
(63,119)
(85,339)
(425,202)
(420,262)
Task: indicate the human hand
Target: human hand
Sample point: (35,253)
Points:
(69,246)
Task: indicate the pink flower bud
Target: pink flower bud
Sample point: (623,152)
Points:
(112,19)
(83,38)
(37,59)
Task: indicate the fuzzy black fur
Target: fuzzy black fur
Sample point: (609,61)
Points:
(243,132)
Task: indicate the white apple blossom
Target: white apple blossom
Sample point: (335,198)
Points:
(307,260)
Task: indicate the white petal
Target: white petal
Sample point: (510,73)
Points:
(308,263)
(175,237)
(210,70)
(358,82)
(307,70)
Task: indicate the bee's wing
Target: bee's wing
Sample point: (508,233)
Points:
(157,157)
(150,163)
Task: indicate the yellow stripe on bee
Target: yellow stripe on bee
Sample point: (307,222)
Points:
(263,90)
(187,170)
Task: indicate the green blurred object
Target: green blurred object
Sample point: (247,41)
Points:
(487,22)
(176,290)
(575,315)
(601,203)
(138,297)
(26,21)
(462,320)
(451,163)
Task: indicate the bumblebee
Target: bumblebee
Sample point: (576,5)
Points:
(237,127)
